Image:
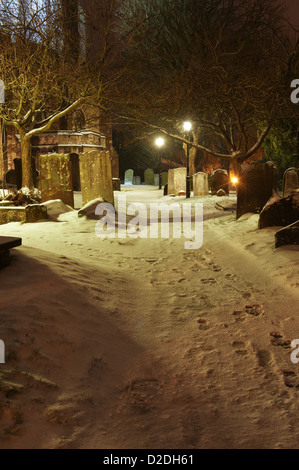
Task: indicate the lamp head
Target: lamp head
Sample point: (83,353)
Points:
(187,126)
(160,142)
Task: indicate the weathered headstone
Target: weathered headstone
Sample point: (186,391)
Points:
(129,175)
(156,179)
(116,184)
(201,184)
(219,180)
(280,211)
(290,180)
(96,176)
(177,180)
(288,235)
(149,177)
(257,182)
(137,180)
(56,178)
(164,178)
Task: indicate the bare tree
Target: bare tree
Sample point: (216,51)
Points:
(45,67)
(222,64)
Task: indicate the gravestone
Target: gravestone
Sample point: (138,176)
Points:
(201,184)
(288,235)
(149,177)
(257,182)
(177,180)
(137,180)
(290,180)
(129,175)
(116,184)
(280,211)
(96,176)
(164,178)
(56,178)
(156,179)
(219,180)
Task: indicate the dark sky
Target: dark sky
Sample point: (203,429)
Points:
(293,6)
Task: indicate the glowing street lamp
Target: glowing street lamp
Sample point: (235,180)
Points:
(234,180)
(159,143)
(187,126)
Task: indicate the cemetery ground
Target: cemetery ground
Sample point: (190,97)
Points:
(140,343)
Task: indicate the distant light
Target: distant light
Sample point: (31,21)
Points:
(234,180)
(187,126)
(160,142)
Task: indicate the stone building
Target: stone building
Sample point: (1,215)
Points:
(85,129)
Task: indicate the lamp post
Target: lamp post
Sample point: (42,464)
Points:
(159,143)
(187,128)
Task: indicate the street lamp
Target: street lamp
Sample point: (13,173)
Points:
(187,126)
(159,143)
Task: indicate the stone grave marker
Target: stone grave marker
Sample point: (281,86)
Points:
(149,177)
(201,184)
(290,180)
(96,176)
(129,175)
(164,178)
(257,182)
(56,178)
(219,180)
(177,180)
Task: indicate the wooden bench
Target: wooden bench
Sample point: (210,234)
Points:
(6,243)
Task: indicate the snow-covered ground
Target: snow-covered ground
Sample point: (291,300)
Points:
(141,343)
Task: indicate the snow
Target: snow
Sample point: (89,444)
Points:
(139,343)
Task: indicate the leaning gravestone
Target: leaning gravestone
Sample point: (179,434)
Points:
(56,178)
(280,211)
(96,176)
(257,182)
(290,180)
(219,180)
(177,180)
(149,177)
(288,235)
(201,184)
(164,178)
(129,175)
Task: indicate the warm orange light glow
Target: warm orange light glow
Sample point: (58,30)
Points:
(234,180)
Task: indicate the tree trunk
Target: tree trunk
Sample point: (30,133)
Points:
(236,166)
(27,177)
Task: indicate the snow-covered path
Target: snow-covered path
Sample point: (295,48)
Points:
(139,343)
